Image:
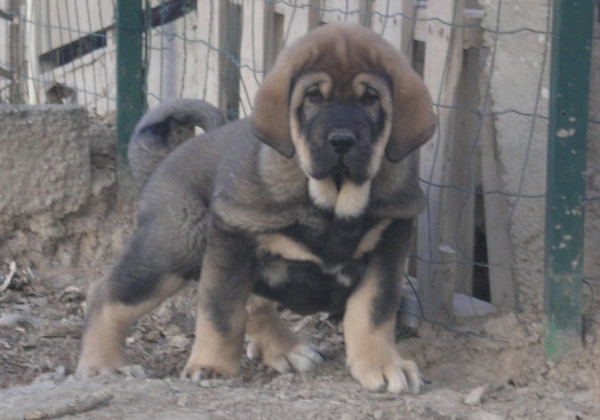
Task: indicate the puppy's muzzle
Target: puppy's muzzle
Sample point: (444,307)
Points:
(341,140)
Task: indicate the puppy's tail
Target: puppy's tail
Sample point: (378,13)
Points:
(164,128)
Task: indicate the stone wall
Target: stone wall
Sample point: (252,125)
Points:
(58,206)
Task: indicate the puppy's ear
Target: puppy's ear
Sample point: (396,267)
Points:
(271,114)
(413,119)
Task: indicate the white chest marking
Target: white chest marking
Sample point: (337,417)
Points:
(350,201)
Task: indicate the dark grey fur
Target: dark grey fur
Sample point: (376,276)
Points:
(163,129)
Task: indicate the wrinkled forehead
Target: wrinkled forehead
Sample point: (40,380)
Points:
(337,55)
(342,62)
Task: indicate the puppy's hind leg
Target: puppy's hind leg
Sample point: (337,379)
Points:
(225,284)
(273,343)
(114,304)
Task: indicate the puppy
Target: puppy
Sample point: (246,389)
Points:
(309,202)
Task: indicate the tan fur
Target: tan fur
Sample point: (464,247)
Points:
(282,177)
(272,342)
(300,145)
(352,199)
(286,247)
(371,352)
(371,238)
(104,337)
(323,192)
(213,354)
(358,84)
(413,117)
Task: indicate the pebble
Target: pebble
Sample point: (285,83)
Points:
(475,396)
(57,376)
(178,341)
(12,320)
(182,401)
(305,394)
(152,336)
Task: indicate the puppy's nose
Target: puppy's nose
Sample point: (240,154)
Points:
(341,140)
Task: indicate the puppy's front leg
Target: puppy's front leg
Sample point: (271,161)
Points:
(225,284)
(370,319)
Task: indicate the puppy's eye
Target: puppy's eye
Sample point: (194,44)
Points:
(314,95)
(370,97)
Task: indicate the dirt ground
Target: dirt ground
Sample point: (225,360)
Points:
(492,368)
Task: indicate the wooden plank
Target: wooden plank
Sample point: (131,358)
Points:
(269,28)
(502,285)
(207,51)
(253,53)
(300,19)
(275,23)
(459,213)
(68,20)
(6,16)
(443,66)
(394,21)
(346,11)
(473,32)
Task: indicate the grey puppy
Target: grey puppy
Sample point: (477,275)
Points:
(309,202)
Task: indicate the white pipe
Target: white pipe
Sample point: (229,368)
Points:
(31,51)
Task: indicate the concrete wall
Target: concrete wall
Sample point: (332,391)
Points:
(58,204)
(45,160)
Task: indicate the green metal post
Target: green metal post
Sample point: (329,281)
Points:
(567,138)
(130,85)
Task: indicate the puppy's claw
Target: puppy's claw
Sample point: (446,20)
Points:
(90,368)
(301,358)
(394,376)
(196,373)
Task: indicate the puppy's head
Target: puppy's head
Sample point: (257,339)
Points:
(342,97)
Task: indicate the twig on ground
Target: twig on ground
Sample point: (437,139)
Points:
(66,408)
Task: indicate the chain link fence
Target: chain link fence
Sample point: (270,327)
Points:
(480,243)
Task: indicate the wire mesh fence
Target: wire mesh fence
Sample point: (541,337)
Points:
(485,62)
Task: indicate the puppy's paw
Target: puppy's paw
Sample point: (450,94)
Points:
(197,372)
(299,358)
(99,360)
(384,370)
(90,367)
